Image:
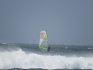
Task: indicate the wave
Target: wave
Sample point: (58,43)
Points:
(20,59)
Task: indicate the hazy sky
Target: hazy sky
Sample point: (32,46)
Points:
(66,21)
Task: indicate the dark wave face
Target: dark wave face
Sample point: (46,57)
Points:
(29,56)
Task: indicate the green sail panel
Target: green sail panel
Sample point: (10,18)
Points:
(43,43)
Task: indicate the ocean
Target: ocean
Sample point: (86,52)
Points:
(19,56)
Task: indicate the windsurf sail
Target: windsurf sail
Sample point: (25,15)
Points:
(43,43)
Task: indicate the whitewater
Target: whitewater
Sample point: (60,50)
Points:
(18,58)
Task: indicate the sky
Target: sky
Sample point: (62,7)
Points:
(68,22)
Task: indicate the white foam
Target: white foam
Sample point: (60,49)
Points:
(20,59)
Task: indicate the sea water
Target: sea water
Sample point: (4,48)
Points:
(28,56)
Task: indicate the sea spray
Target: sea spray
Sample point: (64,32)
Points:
(20,59)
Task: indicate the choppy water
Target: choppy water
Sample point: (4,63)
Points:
(27,56)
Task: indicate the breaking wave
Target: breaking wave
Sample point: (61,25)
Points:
(20,59)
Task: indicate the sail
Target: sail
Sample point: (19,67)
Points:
(43,43)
